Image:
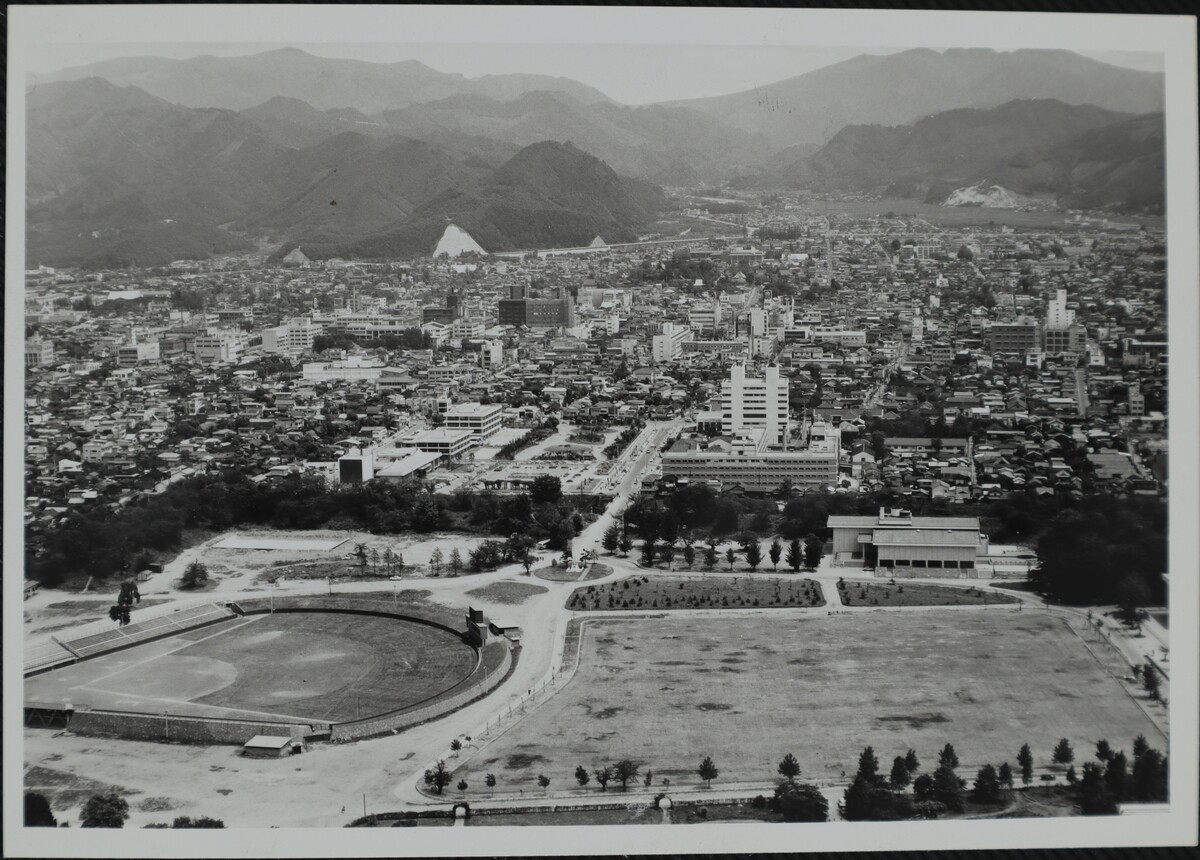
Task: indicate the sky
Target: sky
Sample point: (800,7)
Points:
(629,73)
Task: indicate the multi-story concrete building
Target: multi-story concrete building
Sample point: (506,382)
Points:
(748,402)
(668,346)
(38,351)
(292,339)
(483,420)
(1017,336)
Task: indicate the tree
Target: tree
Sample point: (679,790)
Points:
(1006,776)
(129,594)
(581,776)
(776,552)
(455,746)
(795,556)
(625,770)
(527,560)
(948,757)
(1151,680)
(119,614)
(463,786)
(689,556)
(603,775)
(490,781)
(37,811)
(545,489)
(813,549)
(947,788)
(710,558)
(667,553)
(1071,776)
(911,761)
(900,776)
(1104,752)
(456,561)
(730,556)
(625,544)
(375,559)
(800,802)
(1063,754)
(1140,746)
(1149,779)
(360,553)
(868,763)
(1025,760)
(1094,796)
(649,779)
(965,253)
(1116,776)
(987,785)
(105,810)
(753,554)
(543,781)
(438,776)
(612,538)
(203,822)
(435,562)
(194,576)
(789,768)
(708,771)
(923,787)
(649,551)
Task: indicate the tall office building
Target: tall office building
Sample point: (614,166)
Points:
(749,402)
(1057,314)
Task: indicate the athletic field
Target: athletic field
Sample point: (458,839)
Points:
(668,691)
(308,666)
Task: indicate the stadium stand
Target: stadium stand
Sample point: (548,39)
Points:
(46,655)
(100,637)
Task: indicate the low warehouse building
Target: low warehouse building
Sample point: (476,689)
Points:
(267,746)
(896,540)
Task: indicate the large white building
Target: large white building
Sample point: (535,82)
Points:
(751,402)
(483,420)
(292,339)
(1058,316)
(668,346)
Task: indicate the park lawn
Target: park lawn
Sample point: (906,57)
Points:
(696,592)
(508,593)
(864,593)
(747,690)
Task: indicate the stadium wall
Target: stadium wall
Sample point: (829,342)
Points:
(188,730)
(480,684)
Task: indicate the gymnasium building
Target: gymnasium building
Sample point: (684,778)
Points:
(900,543)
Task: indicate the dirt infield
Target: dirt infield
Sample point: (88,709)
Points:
(327,667)
(668,691)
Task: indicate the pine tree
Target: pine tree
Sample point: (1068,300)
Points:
(708,771)
(900,776)
(795,555)
(948,757)
(1025,760)
(776,552)
(1063,754)
(789,768)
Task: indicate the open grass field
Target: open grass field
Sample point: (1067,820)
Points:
(746,691)
(696,592)
(863,593)
(315,666)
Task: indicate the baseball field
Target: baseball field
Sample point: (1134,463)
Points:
(312,666)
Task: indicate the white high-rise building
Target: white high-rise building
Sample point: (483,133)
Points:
(748,403)
(1057,315)
(668,346)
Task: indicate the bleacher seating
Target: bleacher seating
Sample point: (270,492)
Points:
(45,655)
(99,637)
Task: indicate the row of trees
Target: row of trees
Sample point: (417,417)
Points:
(1104,783)
(101,542)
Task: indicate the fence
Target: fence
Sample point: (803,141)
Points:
(189,730)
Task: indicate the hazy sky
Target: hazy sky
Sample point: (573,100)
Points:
(631,74)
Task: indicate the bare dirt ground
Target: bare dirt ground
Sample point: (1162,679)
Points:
(747,690)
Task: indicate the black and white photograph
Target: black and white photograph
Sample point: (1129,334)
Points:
(643,430)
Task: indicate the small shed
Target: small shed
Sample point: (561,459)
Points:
(509,629)
(267,746)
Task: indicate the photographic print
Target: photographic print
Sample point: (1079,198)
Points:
(700,430)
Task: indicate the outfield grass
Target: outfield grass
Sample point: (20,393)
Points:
(865,593)
(702,592)
(668,691)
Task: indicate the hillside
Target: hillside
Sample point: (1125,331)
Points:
(642,141)
(900,88)
(238,83)
(1076,153)
(550,194)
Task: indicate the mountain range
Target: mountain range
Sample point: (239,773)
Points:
(1081,155)
(145,158)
